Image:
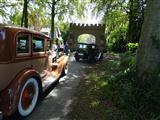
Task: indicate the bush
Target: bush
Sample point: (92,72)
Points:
(137,99)
(132,47)
(119,46)
(117,39)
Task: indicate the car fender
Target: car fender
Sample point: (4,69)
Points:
(10,95)
(62,61)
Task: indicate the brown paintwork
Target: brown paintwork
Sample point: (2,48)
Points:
(10,96)
(15,68)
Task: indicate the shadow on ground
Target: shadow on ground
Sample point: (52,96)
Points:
(57,103)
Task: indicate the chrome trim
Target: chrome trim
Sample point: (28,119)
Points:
(1,115)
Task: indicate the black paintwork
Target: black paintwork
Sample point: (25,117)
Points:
(88,52)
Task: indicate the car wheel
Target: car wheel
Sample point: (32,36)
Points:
(77,58)
(101,57)
(28,97)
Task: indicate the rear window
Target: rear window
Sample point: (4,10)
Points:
(38,44)
(23,44)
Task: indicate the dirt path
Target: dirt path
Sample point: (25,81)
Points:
(57,104)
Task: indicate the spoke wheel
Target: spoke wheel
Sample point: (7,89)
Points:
(77,58)
(28,97)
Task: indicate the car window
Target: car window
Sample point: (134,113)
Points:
(2,34)
(82,46)
(22,44)
(38,44)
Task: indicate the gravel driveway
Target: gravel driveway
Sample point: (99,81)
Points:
(56,105)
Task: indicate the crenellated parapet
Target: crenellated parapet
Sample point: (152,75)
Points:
(86,26)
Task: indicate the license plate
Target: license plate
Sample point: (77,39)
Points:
(80,54)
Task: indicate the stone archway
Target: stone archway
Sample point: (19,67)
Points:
(86,38)
(98,30)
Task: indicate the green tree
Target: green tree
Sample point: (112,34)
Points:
(38,16)
(63,9)
(115,18)
(136,17)
(40,13)
(7,9)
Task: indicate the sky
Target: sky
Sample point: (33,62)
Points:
(90,17)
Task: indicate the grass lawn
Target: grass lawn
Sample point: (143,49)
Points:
(92,101)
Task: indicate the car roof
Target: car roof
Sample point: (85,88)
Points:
(87,43)
(23,29)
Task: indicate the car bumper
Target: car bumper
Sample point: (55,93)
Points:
(1,115)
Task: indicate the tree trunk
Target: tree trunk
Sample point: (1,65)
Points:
(135,20)
(148,54)
(52,19)
(24,20)
(130,25)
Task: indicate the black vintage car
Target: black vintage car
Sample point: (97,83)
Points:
(89,52)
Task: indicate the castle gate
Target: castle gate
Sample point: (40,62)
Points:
(98,30)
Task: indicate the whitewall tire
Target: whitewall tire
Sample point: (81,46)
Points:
(28,97)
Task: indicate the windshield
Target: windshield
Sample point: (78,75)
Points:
(83,46)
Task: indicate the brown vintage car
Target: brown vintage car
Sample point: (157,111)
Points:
(27,69)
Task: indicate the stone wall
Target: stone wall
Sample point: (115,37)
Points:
(97,30)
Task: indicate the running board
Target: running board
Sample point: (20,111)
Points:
(48,82)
